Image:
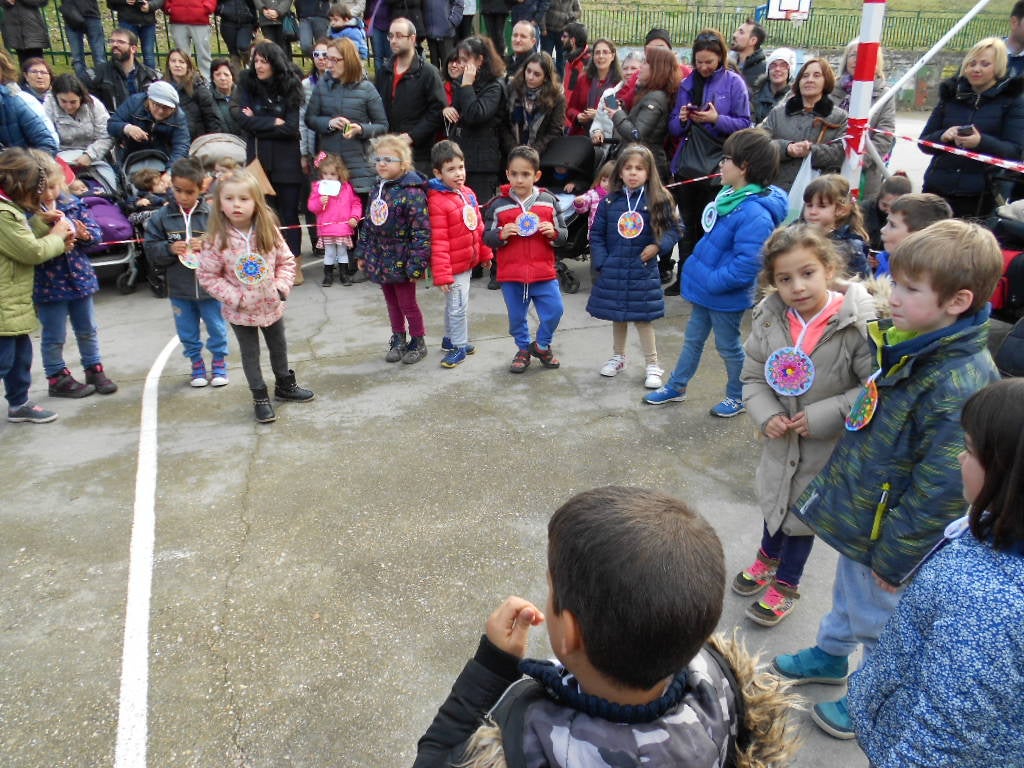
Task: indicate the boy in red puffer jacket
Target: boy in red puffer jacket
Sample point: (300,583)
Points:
(456,245)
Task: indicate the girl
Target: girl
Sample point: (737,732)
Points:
(829,205)
(246,265)
(589,200)
(23,244)
(536,104)
(951,651)
(338,211)
(807,356)
(394,247)
(633,225)
(63,290)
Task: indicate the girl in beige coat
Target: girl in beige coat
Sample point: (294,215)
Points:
(806,358)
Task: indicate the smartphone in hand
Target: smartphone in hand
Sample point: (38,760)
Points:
(965,130)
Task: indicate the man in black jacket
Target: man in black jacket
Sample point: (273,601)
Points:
(746,47)
(124,75)
(412,92)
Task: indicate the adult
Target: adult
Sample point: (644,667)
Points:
(9,78)
(746,46)
(631,64)
(986,99)
(713,99)
(533,11)
(465,26)
(440,20)
(656,38)
(346,111)
(190,27)
(266,107)
(495,15)
(81,122)
(24,28)
(139,16)
(884,119)
(222,77)
(123,75)
(320,68)
(524,45)
(270,16)
(412,92)
(237,27)
(478,109)
(21,126)
(602,72)
(82,21)
(411,11)
(601,127)
(808,123)
(36,78)
(560,14)
(378,23)
(773,85)
(576,55)
(536,104)
(1015,40)
(194,97)
(151,120)
(313,23)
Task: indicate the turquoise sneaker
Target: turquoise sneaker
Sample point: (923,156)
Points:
(833,717)
(811,665)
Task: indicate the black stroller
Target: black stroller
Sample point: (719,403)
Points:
(133,163)
(569,160)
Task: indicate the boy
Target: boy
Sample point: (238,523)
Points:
(456,245)
(634,681)
(342,24)
(153,185)
(174,237)
(893,482)
(524,225)
(909,213)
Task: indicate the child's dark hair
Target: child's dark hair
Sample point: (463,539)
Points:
(993,422)
(188,168)
(606,171)
(799,235)
(921,210)
(752,150)
(835,189)
(341,10)
(523,152)
(146,178)
(643,574)
(659,201)
(328,162)
(897,184)
(444,152)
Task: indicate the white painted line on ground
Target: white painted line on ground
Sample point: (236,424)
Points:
(132,731)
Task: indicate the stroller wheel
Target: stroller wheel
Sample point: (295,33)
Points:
(125,284)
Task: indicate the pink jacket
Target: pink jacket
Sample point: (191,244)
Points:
(259,305)
(590,200)
(332,219)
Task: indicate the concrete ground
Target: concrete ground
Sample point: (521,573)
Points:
(319,582)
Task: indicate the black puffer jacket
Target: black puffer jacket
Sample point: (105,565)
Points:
(24,26)
(417,103)
(132,14)
(237,11)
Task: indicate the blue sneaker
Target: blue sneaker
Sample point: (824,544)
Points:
(728,408)
(833,717)
(454,357)
(447,346)
(664,395)
(811,665)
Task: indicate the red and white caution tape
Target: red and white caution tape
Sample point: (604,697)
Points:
(999,162)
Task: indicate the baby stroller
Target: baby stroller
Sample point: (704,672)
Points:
(569,160)
(215,146)
(133,163)
(1007,224)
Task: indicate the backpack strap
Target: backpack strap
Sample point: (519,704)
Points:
(509,714)
(742,739)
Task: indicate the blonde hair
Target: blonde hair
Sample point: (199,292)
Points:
(1000,56)
(851,47)
(335,162)
(264,220)
(799,235)
(400,146)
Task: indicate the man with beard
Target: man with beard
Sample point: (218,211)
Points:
(577,54)
(123,75)
(746,47)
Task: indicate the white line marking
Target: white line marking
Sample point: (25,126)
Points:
(133,708)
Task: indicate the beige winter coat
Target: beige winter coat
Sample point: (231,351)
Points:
(843,360)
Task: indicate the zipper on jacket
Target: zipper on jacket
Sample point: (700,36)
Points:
(880,509)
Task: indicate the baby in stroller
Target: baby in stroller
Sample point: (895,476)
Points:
(154,189)
(567,170)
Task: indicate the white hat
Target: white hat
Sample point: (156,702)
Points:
(163,93)
(787,55)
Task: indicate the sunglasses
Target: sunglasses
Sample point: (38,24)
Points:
(386,160)
(319,54)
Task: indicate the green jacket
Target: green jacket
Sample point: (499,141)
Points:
(23,244)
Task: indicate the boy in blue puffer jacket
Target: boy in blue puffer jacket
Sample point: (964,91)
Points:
(718,278)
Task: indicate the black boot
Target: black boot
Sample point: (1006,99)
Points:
(287,389)
(328,276)
(344,275)
(493,284)
(261,405)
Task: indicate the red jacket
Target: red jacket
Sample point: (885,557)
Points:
(193,12)
(454,247)
(578,100)
(524,259)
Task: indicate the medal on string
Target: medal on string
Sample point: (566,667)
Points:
(790,370)
(631,223)
(709,216)
(527,222)
(379,208)
(189,259)
(469,217)
(251,268)
(865,405)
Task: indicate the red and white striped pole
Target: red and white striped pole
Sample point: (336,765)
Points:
(863,85)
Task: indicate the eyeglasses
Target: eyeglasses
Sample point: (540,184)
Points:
(396,36)
(335,59)
(385,160)
(37,72)
(320,54)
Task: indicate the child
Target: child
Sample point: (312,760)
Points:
(635,223)
(909,213)
(816,326)
(247,266)
(636,682)
(24,243)
(718,278)
(394,245)
(154,187)
(338,211)
(587,202)
(892,483)
(456,245)
(342,24)
(951,652)
(875,210)
(63,290)
(828,204)
(525,225)
(173,241)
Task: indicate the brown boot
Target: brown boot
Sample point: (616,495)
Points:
(299,277)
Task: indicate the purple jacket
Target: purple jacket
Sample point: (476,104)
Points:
(729,93)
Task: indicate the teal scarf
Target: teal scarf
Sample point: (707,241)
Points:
(729,199)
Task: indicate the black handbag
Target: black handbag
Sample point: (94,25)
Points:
(701,154)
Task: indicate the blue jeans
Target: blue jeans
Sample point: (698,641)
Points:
(16,368)
(187,313)
(547,300)
(94,33)
(147,39)
(456,311)
(860,609)
(54,317)
(791,552)
(311,29)
(726,326)
(381,48)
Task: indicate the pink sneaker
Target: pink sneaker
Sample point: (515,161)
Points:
(755,578)
(778,602)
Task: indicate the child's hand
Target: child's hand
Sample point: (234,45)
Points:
(81,231)
(51,216)
(799,424)
(509,626)
(324,200)
(547,229)
(451,114)
(509,230)
(570,187)
(648,253)
(353,222)
(143,202)
(579,201)
(179,247)
(195,244)
(446,288)
(360,263)
(777,426)
(882,583)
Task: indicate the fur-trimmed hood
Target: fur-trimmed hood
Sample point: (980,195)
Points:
(960,89)
(824,107)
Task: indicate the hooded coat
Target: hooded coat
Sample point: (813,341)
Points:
(23,245)
(397,250)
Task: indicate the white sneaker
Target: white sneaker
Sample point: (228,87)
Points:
(615,364)
(654,374)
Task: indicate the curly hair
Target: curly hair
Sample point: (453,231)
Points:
(551,91)
(283,82)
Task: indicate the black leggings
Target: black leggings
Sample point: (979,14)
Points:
(691,199)
(286,205)
(249,347)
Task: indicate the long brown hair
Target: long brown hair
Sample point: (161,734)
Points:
(188,81)
(659,200)
(551,91)
(835,189)
(665,75)
(264,220)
